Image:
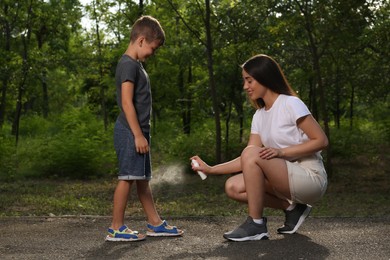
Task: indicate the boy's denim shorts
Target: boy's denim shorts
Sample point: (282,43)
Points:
(132,165)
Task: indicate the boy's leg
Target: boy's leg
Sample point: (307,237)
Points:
(118,230)
(146,198)
(121,196)
(156,226)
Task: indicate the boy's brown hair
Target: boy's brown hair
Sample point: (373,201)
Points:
(149,27)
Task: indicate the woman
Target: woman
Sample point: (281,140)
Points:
(281,167)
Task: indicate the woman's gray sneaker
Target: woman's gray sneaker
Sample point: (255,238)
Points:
(295,218)
(249,230)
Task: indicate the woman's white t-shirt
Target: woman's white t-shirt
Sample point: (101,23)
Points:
(277,126)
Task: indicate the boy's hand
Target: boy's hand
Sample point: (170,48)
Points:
(141,144)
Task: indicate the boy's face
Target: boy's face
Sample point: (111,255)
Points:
(147,49)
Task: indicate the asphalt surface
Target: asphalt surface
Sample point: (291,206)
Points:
(83,238)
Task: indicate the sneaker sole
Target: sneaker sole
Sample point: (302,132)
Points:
(262,236)
(163,234)
(114,239)
(300,221)
(227,233)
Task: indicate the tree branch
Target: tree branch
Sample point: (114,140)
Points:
(194,32)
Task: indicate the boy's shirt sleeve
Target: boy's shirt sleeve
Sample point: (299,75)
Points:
(128,72)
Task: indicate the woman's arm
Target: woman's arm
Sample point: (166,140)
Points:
(317,142)
(229,167)
(317,139)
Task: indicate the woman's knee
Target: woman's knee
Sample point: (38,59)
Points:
(230,188)
(250,155)
(234,186)
(249,151)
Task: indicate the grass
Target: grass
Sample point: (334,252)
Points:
(358,188)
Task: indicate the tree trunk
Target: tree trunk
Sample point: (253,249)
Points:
(140,8)
(6,76)
(312,99)
(3,99)
(45,106)
(351,106)
(101,72)
(184,100)
(227,124)
(337,110)
(213,88)
(25,68)
(45,94)
(188,104)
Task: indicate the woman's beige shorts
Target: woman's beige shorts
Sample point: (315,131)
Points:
(307,178)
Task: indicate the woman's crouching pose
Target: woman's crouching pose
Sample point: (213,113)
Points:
(281,167)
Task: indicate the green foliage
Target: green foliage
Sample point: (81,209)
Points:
(82,149)
(170,144)
(34,126)
(367,137)
(72,145)
(8,160)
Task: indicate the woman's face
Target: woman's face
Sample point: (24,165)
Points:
(253,88)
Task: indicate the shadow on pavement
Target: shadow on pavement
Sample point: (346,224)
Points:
(289,247)
(295,246)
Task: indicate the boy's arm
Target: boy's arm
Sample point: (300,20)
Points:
(141,144)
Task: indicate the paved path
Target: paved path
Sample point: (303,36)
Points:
(83,238)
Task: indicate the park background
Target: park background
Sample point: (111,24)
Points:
(57,106)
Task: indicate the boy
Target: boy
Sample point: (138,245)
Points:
(131,133)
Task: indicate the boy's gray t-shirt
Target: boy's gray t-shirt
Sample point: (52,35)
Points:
(132,70)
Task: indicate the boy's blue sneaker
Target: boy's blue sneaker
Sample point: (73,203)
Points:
(163,230)
(124,234)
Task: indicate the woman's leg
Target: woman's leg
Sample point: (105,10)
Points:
(256,172)
(235,189)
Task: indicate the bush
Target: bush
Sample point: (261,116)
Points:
(33,125)
(73,145)
(8,160)
(170,144)
(365,138)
